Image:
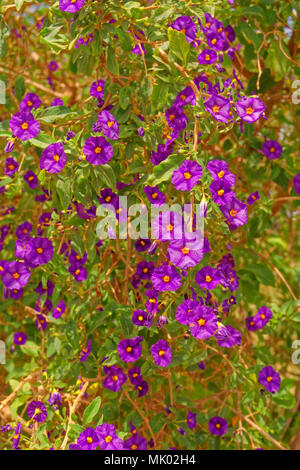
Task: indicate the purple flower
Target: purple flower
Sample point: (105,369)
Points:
(57,102)
(296,183)
(253,198)
(251,323)
(115,379)
(59,309)
(31,179)
(108,439)
(135,443)
(221,192)
(161,353)
(53,65)
(78,271)
(166,278)
(71,6)
(11,166)
(47,289)
(36,410)
(134,375)
(41,252)
(186,25)
(163,151)
(16,436)
(186,310)
(97,150)
(41,322)
(191,420)
(219,172)
(208,278)
(218,107)
(16,275)
(176,119)
(269,379)
(142,387)
(187,175)
(130,350)
(142,244)
(24,126)
(84,354)
(250,109)
(9,146)
(207,57)
(142,318)
(20,338)
(97,89)
(108,125)
(151,304)
(185,97)
(29,102)
(156,197)
(235,212)
(272,149)
(217,426)
(55,400)
(23,247)
(88,439)
(203,323)
(168,226)
(227,336)
(187,252)
(53,158)
(145,269)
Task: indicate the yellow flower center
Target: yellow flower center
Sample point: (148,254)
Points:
(154,195)
(134,447)
(185,250)
(187,175)
(24,126)
(218,426)
(140,318)
(216,109)
(166,278)
(250,110)
(201,322)
(182,97)
(108,439)
(77,272)
(207,57)
(107,199)
(220,192)
(208,279)
(110,123)
(98,149)
(16,275)
(262,316)
(221,174)
(170,227)
(171,117)
(272,149)
(145,270)
(269,379)
(89,439)
(161,352)
(40,250)
(232,213)
(115,378)
(99,88)
(129,349)
(56,157)
(10,167)
(213,41)
(152,301)
(29,103)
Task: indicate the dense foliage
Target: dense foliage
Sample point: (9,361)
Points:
(159,342)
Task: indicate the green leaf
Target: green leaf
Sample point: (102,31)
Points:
(106,174)
(72,334)
(63,193)
(41,141)
(159,96)
(111,61)
(91,411)
(178,44)
(164,170)
(54,113)
(124,97)
(19,87)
